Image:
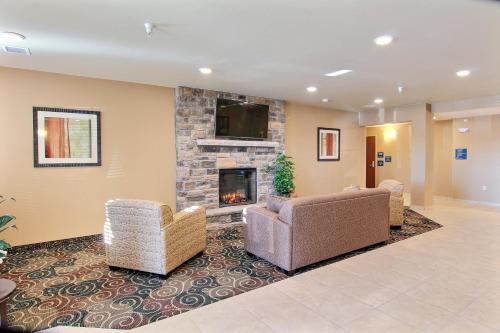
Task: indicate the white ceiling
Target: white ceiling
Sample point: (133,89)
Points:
(272,48)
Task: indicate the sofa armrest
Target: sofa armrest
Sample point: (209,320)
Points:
(268,237)
(262,212)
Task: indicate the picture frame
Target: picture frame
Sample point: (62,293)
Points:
(388,158)
(66,137)
(328,144)
(380,163)
(380,154)
(461,154)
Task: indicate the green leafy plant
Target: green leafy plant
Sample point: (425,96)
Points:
(282,170)
(4,225)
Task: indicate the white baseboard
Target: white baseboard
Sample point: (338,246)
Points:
(467,202)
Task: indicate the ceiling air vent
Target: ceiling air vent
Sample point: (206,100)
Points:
(18,50)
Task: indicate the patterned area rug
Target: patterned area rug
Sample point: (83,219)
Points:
(68,282)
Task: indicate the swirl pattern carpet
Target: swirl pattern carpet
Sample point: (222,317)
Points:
(68,282)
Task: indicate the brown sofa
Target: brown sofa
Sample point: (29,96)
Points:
(311,229)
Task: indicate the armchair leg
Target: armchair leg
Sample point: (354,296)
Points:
(290,272)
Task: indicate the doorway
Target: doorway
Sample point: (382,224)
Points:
(370,161)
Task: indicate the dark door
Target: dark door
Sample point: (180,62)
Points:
(370,161)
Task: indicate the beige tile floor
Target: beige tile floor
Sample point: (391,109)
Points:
(447,280)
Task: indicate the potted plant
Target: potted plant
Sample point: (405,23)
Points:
(4,225)
(282,170)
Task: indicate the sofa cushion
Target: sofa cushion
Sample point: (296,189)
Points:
(274,203)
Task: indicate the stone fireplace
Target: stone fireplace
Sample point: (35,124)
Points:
(237,186)
(201,157)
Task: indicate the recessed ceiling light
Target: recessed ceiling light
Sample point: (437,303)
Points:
(400,89)
(311,89)
(463,73)
(378,101)
(149,27)
(205,70)
(339,72)
(325,100)
(383,40)
(10,36)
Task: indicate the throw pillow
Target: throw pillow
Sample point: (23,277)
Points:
(352,188)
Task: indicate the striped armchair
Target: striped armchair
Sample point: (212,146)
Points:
(146,236)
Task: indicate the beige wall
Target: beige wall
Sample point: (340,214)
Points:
(398,147)
(443,158)
(482,168)
(138,152)
(464,179)
(313,177)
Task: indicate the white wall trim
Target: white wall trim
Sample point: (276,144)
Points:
(465,201)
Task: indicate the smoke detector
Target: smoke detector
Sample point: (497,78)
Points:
(18,50)
(149,27)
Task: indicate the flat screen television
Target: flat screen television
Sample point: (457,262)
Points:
(241,120)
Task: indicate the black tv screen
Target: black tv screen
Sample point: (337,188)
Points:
(241,120)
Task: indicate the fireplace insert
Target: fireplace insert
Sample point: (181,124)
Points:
(237,186)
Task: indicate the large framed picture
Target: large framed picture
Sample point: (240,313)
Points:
(328,144)
(66,138)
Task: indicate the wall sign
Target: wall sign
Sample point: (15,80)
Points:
(388,159)
(461,153)
(380,163)
(380,154)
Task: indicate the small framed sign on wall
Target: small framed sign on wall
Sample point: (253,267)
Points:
(461,153)
(328,144)
(66,137)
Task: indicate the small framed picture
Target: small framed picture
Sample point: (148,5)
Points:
(388,159)
(461,154)
(380,154)
(66,138)
(328,144)
(380,163)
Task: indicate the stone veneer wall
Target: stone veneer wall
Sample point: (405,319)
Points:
(198,166)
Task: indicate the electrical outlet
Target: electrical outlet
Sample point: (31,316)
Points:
(484,188)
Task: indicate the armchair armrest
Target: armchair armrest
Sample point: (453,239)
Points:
(185,236)
(191,213)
